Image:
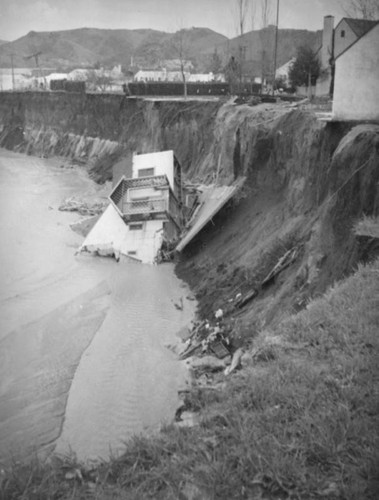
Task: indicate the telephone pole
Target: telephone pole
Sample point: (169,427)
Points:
(12,66)
(276,44)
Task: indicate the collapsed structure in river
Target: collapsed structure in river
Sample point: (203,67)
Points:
(151,214)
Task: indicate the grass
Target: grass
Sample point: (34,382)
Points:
(367,226)
(300,421)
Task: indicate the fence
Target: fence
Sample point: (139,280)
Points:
(68,85)
(175,88)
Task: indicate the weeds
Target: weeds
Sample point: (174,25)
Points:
(299,422)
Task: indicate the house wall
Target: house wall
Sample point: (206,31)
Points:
(162,162)
(342,42)
(110,235)
(356,87)
(143,243)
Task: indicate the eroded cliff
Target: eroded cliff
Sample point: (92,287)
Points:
(308,181)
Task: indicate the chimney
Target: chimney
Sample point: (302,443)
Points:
(327,41)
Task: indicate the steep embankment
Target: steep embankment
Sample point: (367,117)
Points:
(100,129)
(300,420)
(307,182)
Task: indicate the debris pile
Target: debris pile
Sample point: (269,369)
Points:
(207,338)
(83,207)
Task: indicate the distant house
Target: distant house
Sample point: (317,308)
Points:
(78,74)
(201,77)
(151,75)
(335,42)
(356,83)
(155,75)
(283,71)
(145,214)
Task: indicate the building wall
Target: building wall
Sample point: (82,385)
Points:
(143,244)
(356,87)
(342,42)
(110,235)
(162,162)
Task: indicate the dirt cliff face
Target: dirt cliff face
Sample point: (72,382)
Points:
(95,126)
(307,182)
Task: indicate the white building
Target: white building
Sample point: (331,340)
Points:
(153,75)
(356,81)
(145,214)
(283,71)
(335,41)
(201,77)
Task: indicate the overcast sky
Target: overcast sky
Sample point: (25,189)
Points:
(18,17)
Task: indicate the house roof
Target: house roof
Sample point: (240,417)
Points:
(372,25)
(360,26)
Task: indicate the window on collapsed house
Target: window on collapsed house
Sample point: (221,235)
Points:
(136,226)
(343,34)
(145,172)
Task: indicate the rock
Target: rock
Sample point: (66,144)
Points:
(219,314)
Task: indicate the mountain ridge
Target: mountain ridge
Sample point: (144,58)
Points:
(94,47)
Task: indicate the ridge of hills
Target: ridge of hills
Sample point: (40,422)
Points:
(94,47)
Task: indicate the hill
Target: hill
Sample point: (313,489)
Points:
(90,46)
(259,45)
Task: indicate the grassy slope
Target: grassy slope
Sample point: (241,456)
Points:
(299,421)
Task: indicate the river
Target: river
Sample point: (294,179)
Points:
(83,357)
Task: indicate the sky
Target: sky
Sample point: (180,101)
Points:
(18,17)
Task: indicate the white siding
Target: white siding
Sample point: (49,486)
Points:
(162,162)
(111,235)
(143,243)
(356,87)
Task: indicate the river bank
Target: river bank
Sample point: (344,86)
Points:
(82,339)
(299,421)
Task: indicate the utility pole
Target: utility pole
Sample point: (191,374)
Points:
(276,44)
(12,66)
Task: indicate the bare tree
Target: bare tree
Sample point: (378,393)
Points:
(181,49)
(365,9)
(242,7)
(253,13)
(98,80)
(266,12)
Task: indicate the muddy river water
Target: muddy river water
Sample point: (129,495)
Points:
(83,357)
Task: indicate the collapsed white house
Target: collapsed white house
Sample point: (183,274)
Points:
(144,218)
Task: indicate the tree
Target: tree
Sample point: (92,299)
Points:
(242,9)
(98,80)
(266,40)
(306,68)
(365,9)
(231,71)
(216,63)
(266,12)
